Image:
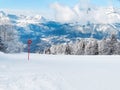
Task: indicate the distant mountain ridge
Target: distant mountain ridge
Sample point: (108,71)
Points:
(45,33)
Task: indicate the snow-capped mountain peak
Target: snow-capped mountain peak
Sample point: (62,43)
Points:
(25,20)
(38,17)
(45,33)
(21,20)
(2,14)
(3,18)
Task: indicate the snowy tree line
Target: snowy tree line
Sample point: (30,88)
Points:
(9,40)
(107,46)
(9,43)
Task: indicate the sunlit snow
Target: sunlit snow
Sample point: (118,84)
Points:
(59,72)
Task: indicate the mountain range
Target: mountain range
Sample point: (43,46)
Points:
(44,32)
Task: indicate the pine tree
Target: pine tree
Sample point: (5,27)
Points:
(117,51)
(47,51)
(2,45)
(11,39)
(108,46)
(112,45)
(103,49)
(92,47)
(95,48)
(79,47)
(68,50)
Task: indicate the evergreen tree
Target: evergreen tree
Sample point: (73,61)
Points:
(108,46)
(11,38)
(92,48)
(2,46)
(79,47)
(103,48)
(112,45)
(68,50)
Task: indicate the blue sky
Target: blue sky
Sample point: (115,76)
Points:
(44,4)
(32,4)
(42,7)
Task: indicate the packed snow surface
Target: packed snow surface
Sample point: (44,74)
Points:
(59,72)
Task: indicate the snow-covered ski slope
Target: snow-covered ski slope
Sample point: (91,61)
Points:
(59,72)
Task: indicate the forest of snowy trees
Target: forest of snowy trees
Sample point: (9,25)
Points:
(107,46)
(9,41)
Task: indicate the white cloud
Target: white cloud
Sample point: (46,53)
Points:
(63,13)
(83,12)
